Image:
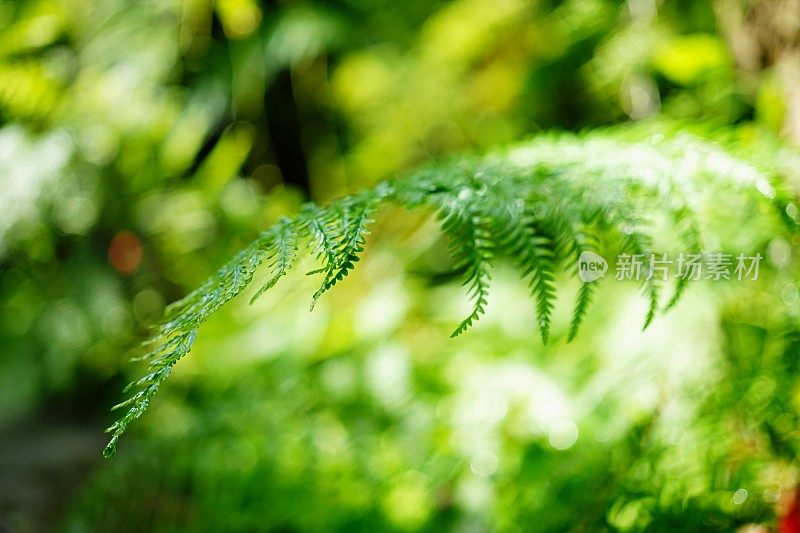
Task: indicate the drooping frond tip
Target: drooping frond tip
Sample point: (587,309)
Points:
(541,205)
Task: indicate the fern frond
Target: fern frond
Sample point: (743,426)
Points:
(571,235)
(540,203)
(471,246)
(165,358)
(586,241)
(690,235)
(532,251)
(582,303)
(284,251)
(691,239)
(175,337)
(353,218)
(566,241)
(320,225)
(640,244)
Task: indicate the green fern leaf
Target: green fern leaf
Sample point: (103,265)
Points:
(284,251)
(471,247)
(540,203)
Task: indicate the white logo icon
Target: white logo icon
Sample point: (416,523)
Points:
(591,267)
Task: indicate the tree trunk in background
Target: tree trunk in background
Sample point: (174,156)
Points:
(765,34)
(284,131)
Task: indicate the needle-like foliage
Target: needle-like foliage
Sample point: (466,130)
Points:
(540,204)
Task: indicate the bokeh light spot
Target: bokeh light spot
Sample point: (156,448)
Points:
(563,435)
(125,252)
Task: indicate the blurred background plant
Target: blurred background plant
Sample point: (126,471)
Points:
(143,143)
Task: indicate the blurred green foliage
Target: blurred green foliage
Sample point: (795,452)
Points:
(143,143)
